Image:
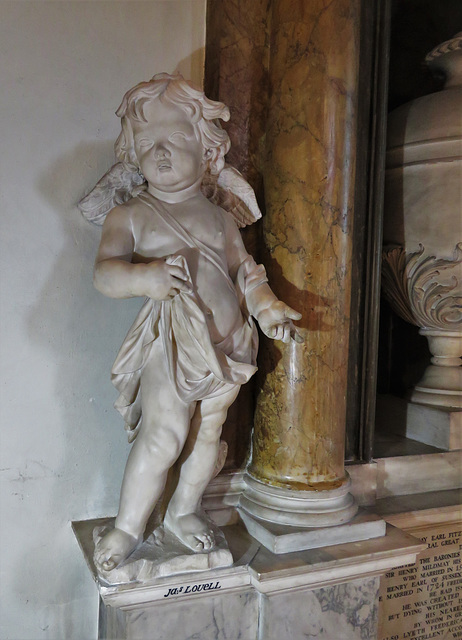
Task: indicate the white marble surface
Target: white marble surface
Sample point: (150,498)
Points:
(283,506)
(439,427)
(283,539)
(419,474)
(216,617)
(162,554)
(416,511)
(258,594)
(363,482)
(345,611)
(337,564)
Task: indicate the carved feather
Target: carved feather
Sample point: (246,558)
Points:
(117,186)
(230,191)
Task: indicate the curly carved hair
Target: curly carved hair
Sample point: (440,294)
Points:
(169,89)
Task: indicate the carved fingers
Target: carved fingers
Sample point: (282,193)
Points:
(291,314)
(179,280)
(165,280)
(277,322)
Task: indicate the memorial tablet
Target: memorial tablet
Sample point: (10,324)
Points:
(424,601)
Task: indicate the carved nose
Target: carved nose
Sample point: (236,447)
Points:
(161,151)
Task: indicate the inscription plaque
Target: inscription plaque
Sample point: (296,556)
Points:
(424,601)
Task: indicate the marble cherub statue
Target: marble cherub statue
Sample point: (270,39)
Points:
(194,342)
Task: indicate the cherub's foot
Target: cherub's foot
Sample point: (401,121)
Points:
(191,530)
(114,548)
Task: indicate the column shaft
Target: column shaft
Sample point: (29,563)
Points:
(309,186)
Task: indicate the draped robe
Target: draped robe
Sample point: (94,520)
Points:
(197,367)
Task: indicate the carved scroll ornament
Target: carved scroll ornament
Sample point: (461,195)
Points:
(424,290)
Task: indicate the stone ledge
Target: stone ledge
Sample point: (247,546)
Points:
(435,426)
(334,564)
(421,510)
(256,568)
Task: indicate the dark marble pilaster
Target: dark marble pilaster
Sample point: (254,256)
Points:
(236,72)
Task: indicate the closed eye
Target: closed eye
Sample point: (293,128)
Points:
(144,142)
(178,135)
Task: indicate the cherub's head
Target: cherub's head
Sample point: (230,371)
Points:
(163,105)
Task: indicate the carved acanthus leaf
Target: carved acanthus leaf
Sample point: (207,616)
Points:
(422,290)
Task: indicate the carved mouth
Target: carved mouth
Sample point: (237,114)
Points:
(164,166)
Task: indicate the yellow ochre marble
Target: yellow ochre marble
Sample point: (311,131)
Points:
(309,176)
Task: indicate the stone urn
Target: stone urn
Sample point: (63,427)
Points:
(422,256)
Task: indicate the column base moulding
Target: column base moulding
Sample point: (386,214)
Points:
(396,475)
(298,508)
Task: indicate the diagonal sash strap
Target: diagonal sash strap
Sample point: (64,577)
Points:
(197,368)
(189,240)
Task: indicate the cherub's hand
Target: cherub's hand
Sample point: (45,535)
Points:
(276,322)
(164,280)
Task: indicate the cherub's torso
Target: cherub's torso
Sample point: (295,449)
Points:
(205,222)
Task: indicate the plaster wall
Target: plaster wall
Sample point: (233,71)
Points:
(65,66)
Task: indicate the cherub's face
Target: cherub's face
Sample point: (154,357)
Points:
(169,151)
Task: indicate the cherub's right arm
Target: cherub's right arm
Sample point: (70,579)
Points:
(117,277)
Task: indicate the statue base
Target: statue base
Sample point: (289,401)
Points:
(162,554)
(306,593)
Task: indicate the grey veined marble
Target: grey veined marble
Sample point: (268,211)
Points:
(341,612)
(212,618)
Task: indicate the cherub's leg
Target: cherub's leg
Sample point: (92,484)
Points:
(197,467)
(157,446)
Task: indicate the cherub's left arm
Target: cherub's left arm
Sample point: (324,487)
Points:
(274,316)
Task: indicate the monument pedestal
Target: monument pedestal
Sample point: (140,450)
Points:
(439,427)
(317,592)
(162,554)
(424,600)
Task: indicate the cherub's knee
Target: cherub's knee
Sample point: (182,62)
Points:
(213,414)
(211,426)
(163,445)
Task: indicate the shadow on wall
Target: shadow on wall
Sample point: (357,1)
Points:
(195,62)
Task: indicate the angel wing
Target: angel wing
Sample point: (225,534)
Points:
(117,186)
(228,190)
(233,193)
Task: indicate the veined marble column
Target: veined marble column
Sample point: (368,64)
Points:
(296,474)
